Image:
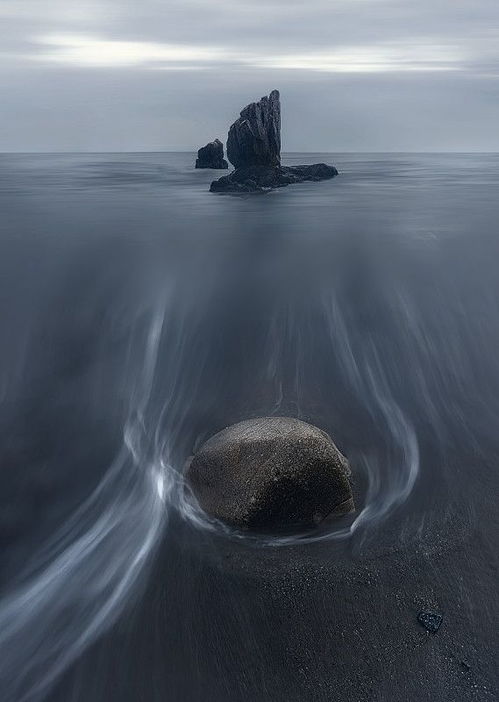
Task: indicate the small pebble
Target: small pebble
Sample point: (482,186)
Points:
(431,621)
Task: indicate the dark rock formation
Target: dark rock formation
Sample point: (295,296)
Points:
(264,178)
(269,474)
(254,148)
(211,156)
(255,138)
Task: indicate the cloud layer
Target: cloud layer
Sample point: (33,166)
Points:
(90,51)
(448,51)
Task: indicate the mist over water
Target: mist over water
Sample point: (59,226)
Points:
(141,314)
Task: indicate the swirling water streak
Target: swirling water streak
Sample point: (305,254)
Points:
(79,585)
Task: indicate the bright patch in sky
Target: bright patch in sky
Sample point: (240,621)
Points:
(381,58)
(88,51)
(78,50)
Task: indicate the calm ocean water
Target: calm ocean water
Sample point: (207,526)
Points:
(140,314)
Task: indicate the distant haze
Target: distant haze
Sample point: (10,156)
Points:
(354,75)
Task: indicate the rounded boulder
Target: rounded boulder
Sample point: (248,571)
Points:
(271,473)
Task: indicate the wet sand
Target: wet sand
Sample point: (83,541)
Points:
(224,621)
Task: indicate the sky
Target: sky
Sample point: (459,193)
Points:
(171,75)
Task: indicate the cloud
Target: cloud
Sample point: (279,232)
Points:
(377,58)
(340,36)
(96,52)
(378,73)
(54,11)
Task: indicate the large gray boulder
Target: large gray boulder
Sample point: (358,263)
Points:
(269,474)
(255,137)
(212,156)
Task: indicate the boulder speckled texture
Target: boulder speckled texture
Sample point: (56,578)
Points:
(271,473)
(255,137)
(212,156)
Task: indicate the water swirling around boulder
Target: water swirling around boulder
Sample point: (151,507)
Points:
(271,474)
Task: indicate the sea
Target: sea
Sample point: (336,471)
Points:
(139,315)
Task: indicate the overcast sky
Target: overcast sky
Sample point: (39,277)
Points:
(354,75)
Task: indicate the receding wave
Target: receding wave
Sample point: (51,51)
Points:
(390,474)
(80,583)
(90,569)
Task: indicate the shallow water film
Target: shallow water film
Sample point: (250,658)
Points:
(140,315)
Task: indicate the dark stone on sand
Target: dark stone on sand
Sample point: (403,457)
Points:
(269,474)
(255,137)
(264,178)
(431,621)
(212,156)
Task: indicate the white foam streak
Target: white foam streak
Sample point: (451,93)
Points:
(81,582)
(391,477)
(369,382)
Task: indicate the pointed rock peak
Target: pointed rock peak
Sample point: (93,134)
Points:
(254,148)
(255,137)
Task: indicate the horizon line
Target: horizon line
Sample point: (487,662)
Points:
(284,153)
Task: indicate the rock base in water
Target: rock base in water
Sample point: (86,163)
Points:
(253,179)
(269,474)
(212,156)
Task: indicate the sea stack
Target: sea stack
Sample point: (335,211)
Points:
(212,156)
(255,138)
(254,149)
(271,474)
